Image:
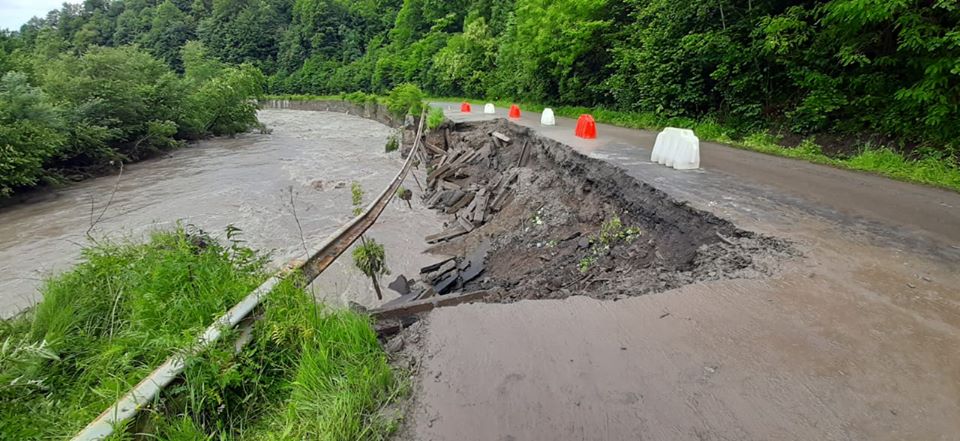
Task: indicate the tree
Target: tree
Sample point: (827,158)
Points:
(170,29)
(31,132)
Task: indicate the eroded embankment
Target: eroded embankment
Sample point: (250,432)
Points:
(532,219)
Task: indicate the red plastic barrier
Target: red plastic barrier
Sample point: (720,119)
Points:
(465,107)
(586,127)
(514,111)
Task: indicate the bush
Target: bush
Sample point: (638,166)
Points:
(405,99)
(31,132)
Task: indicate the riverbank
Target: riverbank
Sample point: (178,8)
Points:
(102,326)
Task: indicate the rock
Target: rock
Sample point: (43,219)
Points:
(394,345)
(583,242)
(358,308)
(400,285)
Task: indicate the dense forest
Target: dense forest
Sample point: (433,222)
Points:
(885,70)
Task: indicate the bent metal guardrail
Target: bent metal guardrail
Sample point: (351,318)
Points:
(334,245)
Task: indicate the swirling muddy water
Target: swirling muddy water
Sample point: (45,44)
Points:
(244,181)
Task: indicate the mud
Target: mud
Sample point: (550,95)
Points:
(546,239)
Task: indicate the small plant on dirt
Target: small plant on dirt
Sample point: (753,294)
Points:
(392,144)
(611,233)
(370,258)
(435,118)
(405,195)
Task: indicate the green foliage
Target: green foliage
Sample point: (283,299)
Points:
(124,308)
(370,258)
(435,118)
(356,195)
(31,132)
(74,113)
(855,68)
(392,144)
(405,99)
(612,232)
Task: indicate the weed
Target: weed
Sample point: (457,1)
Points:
(612,232)
(392,144)
(434,118)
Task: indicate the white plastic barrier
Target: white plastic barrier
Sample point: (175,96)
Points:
(677,148)
(489,109)
(547,118)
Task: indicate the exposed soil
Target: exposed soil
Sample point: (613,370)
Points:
(542,223)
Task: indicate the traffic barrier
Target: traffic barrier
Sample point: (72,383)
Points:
(547,118)
(514,112)
(677,148)
(489,109)
(586,127)
(465,107)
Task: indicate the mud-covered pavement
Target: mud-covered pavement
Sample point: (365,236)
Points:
(852,337)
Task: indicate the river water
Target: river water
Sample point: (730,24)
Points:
(245,181)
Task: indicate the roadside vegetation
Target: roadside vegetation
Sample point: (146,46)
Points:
(308,372)
(65,115)
(925,166)
(848,74)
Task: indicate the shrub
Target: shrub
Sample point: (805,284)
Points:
(405,99)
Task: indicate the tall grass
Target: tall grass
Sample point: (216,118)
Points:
(101,327)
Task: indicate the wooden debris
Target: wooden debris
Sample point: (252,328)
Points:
(523,151)
(447,234)
(466,199)
(447,185)
(479,213)
(502,199)
(501,137)
(434,149)
(420,306)
(467,225)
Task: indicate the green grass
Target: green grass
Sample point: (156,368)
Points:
(309,372)
(930,170)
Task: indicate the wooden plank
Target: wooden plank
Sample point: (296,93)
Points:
(481,208)
(467,225)
(434,149)
(523,151)
(447,185)
(501,136)
(447,234)
(466,199)
(501,198)
(421,306)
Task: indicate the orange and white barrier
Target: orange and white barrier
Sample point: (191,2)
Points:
(547,118)
(489,109)
(465,107)
(677,148)
(514,112)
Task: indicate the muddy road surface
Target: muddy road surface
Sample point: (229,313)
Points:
(828,311)
(245,181)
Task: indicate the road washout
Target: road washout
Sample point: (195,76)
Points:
(554,223)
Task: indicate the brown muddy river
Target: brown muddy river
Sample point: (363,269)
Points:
(245,181)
